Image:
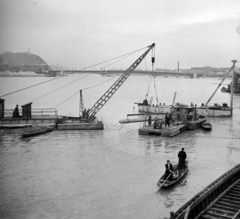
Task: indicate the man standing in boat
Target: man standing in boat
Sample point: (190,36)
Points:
(168,171)
(181,162)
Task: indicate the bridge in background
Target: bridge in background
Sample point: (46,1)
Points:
(114,72)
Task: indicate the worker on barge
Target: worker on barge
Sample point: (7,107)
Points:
(167,120)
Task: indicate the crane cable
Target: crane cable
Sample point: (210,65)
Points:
(152,78)
(154,74)
(63,76)
(81,89)
(29,87)
(111,78)
(78,80)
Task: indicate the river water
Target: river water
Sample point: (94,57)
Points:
(111,173)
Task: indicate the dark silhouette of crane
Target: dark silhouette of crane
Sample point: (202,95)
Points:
(108,94)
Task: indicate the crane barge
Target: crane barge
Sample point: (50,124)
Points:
(87,119)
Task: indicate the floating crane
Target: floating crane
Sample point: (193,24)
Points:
(232,68)
(109,93)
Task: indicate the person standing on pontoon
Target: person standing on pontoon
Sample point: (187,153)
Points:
(149,120)
(16,112)
(167,120)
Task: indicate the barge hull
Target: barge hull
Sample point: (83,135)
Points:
(80,126)
(218,193)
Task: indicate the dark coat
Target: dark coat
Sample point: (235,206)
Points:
(167,118)
(182,157)
(149,120)
(168,169)
(168,172)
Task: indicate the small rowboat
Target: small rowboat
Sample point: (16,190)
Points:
(225,90)
(37,130)
(206,126)
(177,176)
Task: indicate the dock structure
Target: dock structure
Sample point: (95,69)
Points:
(220,199)
(165,131)
(27,117)
(78,124)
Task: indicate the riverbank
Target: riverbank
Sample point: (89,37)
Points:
(20,74)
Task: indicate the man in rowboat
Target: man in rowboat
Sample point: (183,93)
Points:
(169,170)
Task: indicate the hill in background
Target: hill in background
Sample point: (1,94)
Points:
(24,61)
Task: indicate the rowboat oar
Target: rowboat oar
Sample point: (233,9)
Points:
(165,180)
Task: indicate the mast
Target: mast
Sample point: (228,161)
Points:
(233,66)
(81,105)
(109,93)
(232,86)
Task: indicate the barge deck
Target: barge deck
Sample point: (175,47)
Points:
(165,131)
(221,199)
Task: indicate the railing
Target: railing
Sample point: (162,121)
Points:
(35,113)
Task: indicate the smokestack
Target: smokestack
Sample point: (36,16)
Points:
(178,67)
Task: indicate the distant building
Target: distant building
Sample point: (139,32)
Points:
(3,65)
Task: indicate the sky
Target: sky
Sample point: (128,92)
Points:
(77,34)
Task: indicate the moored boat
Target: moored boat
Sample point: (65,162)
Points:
(177,176)
(226,90)
(37,130)
(206,126)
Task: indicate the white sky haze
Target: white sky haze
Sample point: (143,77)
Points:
(79,33)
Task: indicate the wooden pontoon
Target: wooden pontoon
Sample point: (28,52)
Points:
(171,131)
(221,199)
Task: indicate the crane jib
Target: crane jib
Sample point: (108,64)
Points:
(108,94)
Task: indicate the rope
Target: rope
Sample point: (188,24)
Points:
(155,89)
(29,87)
(127,54)
(64,101)
(58,88)
(156,134)
(115,58)
(148,88)
(78,92)
(217,137)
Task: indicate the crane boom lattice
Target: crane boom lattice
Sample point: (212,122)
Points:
(108,94)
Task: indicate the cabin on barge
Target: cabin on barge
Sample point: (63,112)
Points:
(188,115)
(26,116)
(220,199)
